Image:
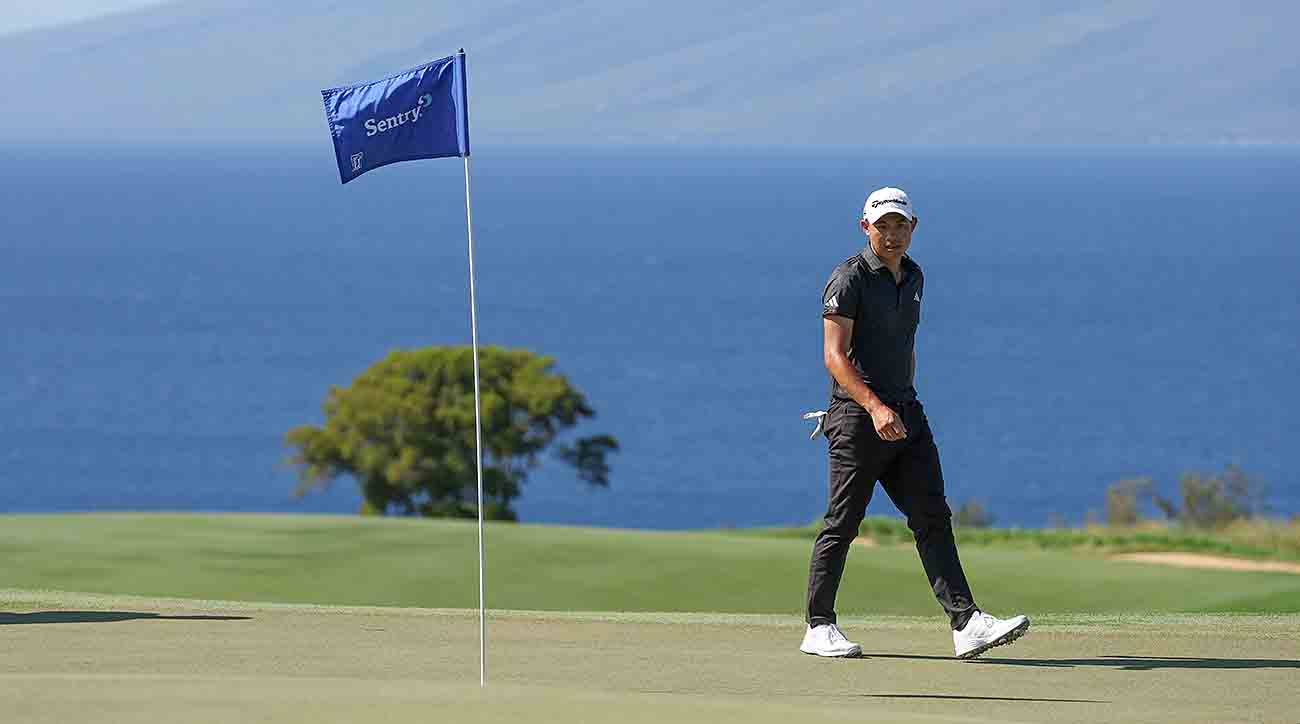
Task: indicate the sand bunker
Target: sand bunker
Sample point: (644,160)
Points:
(1200,560)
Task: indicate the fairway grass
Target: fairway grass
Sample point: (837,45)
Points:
(349,560)
(100,658)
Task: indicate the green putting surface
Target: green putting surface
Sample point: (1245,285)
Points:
(97,658)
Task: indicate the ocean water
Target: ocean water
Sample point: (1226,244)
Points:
(166,314)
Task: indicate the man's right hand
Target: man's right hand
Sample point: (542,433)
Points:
(838,331)
(889,426)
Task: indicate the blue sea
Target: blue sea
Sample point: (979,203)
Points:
(168,313)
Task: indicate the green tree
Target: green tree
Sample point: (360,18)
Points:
(404,430)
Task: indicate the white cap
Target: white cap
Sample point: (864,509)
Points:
(888,200)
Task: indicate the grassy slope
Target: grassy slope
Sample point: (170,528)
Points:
(1261,539)
(348,560)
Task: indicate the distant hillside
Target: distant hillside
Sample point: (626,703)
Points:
(619,71)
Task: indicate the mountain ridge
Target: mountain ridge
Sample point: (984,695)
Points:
(623,72)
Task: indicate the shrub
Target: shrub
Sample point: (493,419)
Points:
(1217,501)
(972,514)
(1122,499)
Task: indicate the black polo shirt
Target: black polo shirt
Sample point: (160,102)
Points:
(885,316)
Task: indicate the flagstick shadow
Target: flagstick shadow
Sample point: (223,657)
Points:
(10,619)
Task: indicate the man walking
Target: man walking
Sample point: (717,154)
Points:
(876,430)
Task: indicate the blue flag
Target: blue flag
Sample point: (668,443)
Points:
(419,113)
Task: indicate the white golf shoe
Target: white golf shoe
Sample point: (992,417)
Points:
(982,632)
(826,640)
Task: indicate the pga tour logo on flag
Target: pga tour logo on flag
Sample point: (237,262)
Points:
(419,113)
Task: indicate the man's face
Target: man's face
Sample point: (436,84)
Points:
(890,236)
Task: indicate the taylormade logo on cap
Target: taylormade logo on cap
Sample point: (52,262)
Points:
(888,200)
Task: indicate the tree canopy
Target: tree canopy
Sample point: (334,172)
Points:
(404,430)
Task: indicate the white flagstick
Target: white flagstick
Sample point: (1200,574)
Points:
(478,439)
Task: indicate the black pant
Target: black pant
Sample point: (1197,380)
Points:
(909,472)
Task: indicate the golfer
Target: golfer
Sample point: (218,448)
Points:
(876,430)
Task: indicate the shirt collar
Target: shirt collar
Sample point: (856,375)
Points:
(876,264)
(872,260)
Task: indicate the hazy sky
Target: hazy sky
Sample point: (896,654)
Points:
(20,15)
